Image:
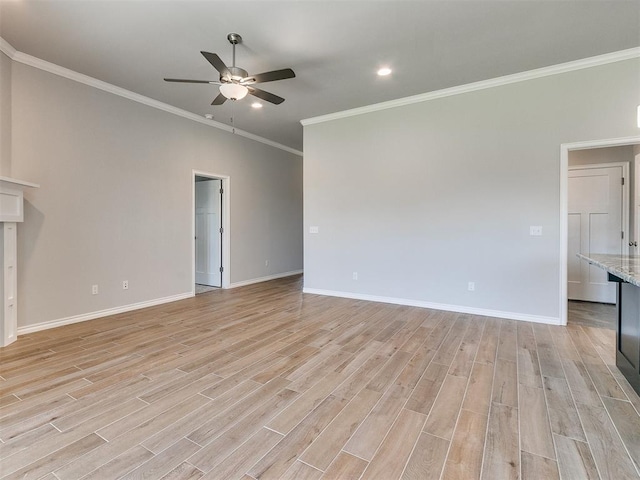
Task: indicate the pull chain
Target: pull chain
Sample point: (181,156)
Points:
(232,119)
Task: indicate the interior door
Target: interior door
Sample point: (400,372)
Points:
(595,226)
(208,222)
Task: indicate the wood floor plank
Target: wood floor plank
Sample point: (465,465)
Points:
(463,360)
(507,341)
(163,463)
(489,342)
(195,419)
(27,439)
(478,396)
(535,432)
(580,383)
(451,343)
(627,422)
(608,450)
(345,467)
(280,457)
(121,465)
(575,461)
(301,471)
(305,403)
(535,467)
(392,456)
(326,447)
(427,459)
(603,381)
(42,466)
(505,383)
(501,454)
(426,390)
(387,374)
(442,419)
(217,450)
(212,428)
(235,465)
(528,364)
(184,471)
(371,432)
(464,461)
(563,414)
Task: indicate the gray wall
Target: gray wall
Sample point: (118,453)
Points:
(115,201)
(421,199)
(5,115)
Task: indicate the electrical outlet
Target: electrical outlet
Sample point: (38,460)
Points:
(535,230)
(94,289)
(355,275)
(472,286)
(314,229)
(125,284)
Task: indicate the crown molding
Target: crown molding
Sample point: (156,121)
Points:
(7,48)
(107,87)
(482,85)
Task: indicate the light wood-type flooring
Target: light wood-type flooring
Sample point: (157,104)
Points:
(589,314)
(266,382)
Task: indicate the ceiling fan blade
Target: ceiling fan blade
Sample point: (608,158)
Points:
(269,76)
(268,97)
(185,80)
(219,100)
(217,63)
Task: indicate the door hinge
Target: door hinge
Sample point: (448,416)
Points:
(621,234)
(221,269)
(221,229)
(622,180)
(221,191)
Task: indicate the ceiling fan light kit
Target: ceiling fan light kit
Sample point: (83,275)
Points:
(233,91)
(235,82)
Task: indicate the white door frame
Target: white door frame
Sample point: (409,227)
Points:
(565,148)
(226,222)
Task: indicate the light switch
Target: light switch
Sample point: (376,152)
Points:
(314,229)
(535,230)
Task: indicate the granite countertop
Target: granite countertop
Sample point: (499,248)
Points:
(626,267)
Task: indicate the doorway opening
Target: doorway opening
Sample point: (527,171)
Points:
(599,213)
(210,231)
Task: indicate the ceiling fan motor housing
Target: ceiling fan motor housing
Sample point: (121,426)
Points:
(235,75)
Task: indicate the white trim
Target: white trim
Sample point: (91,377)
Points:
(226,225)
(564,207)
(437,306)
(101,313)
(21,183)
(482,85)
(107,87)
(7,48)
(251,281)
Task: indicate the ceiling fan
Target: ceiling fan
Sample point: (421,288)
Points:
(235,82)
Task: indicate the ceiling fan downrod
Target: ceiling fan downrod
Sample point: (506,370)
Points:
(234,39)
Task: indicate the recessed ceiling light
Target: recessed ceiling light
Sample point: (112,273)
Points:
(256,105)
(208,116)
(383,72)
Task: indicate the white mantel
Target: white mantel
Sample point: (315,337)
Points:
(11,213)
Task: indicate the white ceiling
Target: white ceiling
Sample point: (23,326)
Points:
(335,47)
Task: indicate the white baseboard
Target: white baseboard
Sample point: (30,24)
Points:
(438,306)
(101,313)
(264,279)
